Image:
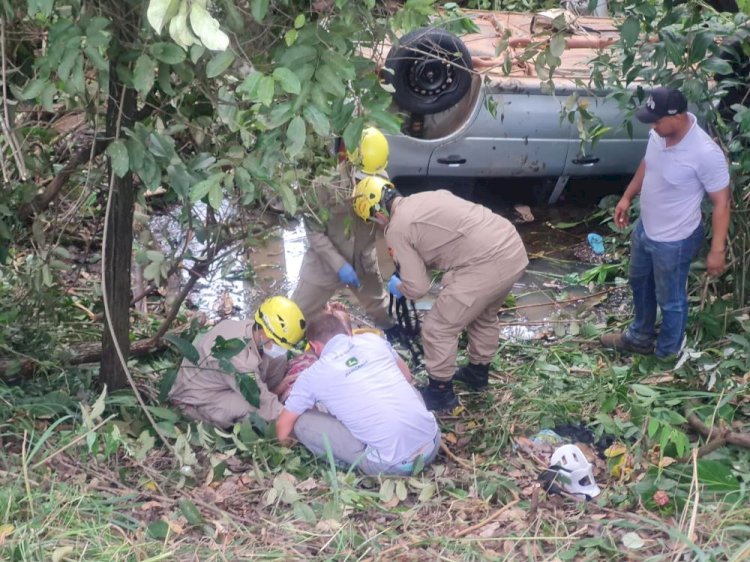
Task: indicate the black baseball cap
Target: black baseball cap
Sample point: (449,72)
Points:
(661,102)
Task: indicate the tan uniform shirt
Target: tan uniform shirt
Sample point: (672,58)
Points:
(343,238)
(438,230)
(204,391)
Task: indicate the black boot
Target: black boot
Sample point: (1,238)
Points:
(474,375)
(438,395)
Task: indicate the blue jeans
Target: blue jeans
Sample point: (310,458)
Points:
(658,275)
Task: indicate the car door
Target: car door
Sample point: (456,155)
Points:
(525,138)
(615,153)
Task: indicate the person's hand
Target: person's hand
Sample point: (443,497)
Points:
(715,262)
(348,276)
(621,213)
(393,285)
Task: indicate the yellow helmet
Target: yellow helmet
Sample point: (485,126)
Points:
(371,156)
(367,195)
(282,321)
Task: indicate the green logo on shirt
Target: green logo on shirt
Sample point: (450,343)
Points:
(352,361)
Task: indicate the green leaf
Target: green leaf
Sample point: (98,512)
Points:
(226,349)
(185,347)
(202,188)
(717,66)
(717,476)
(353,132)
(158,530)
(160,12)
(152,272)
(287,79)
(387,490)
(190,512)
(259,9)
(299,21)
(296,135)
(329,81)
(168,53)
(118,155)
(48,97)
(68,59)
(243,182)
(265,90)
(207,28)
(557,44)
(143,74)
(219,63)
(401,491)
(215,196)
(699,45)
(287,197)
(34,89)
(317,120)
(290,37)
(96,58)
(629,31)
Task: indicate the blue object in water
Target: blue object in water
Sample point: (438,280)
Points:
(597,243)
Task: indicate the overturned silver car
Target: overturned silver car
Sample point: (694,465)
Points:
(469,113)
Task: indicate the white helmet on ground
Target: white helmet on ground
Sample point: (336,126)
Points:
(574,471)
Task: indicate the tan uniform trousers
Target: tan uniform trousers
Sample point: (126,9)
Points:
(226,406)
(311,298)
(470,300)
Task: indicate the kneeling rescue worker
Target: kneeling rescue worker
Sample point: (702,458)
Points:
(205,392)
(481,255)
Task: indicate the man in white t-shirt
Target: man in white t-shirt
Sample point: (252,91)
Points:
(376,420)
(682,165)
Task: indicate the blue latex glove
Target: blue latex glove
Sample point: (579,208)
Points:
(393,284)
(348,276)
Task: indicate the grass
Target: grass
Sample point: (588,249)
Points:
(93,501)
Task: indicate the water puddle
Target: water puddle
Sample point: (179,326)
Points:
(546,302)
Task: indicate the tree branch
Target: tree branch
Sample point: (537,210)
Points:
(42,201)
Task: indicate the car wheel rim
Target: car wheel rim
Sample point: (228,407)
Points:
(432,77)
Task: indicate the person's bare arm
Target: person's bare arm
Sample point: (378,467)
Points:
(285,425)
(634,188)
(404,369)
(716,261)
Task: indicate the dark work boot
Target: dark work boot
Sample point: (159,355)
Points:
(474,375)
(438,395)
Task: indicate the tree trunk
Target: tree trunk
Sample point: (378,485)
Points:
(119,248)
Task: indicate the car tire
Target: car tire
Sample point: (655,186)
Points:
(429,69)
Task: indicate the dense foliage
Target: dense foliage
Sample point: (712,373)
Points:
(114,112)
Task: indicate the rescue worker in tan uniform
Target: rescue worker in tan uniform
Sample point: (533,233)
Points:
(208,391)
(481,255)
(341,249)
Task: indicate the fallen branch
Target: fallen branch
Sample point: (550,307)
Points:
(716,437)
(85,353)
(454,458)
(483,522)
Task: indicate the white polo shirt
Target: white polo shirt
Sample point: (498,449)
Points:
(676,181)
(359,382)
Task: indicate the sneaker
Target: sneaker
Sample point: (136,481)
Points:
(617,341)
(438,395)
(474,375)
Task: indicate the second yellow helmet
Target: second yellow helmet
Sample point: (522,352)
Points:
(371,156)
